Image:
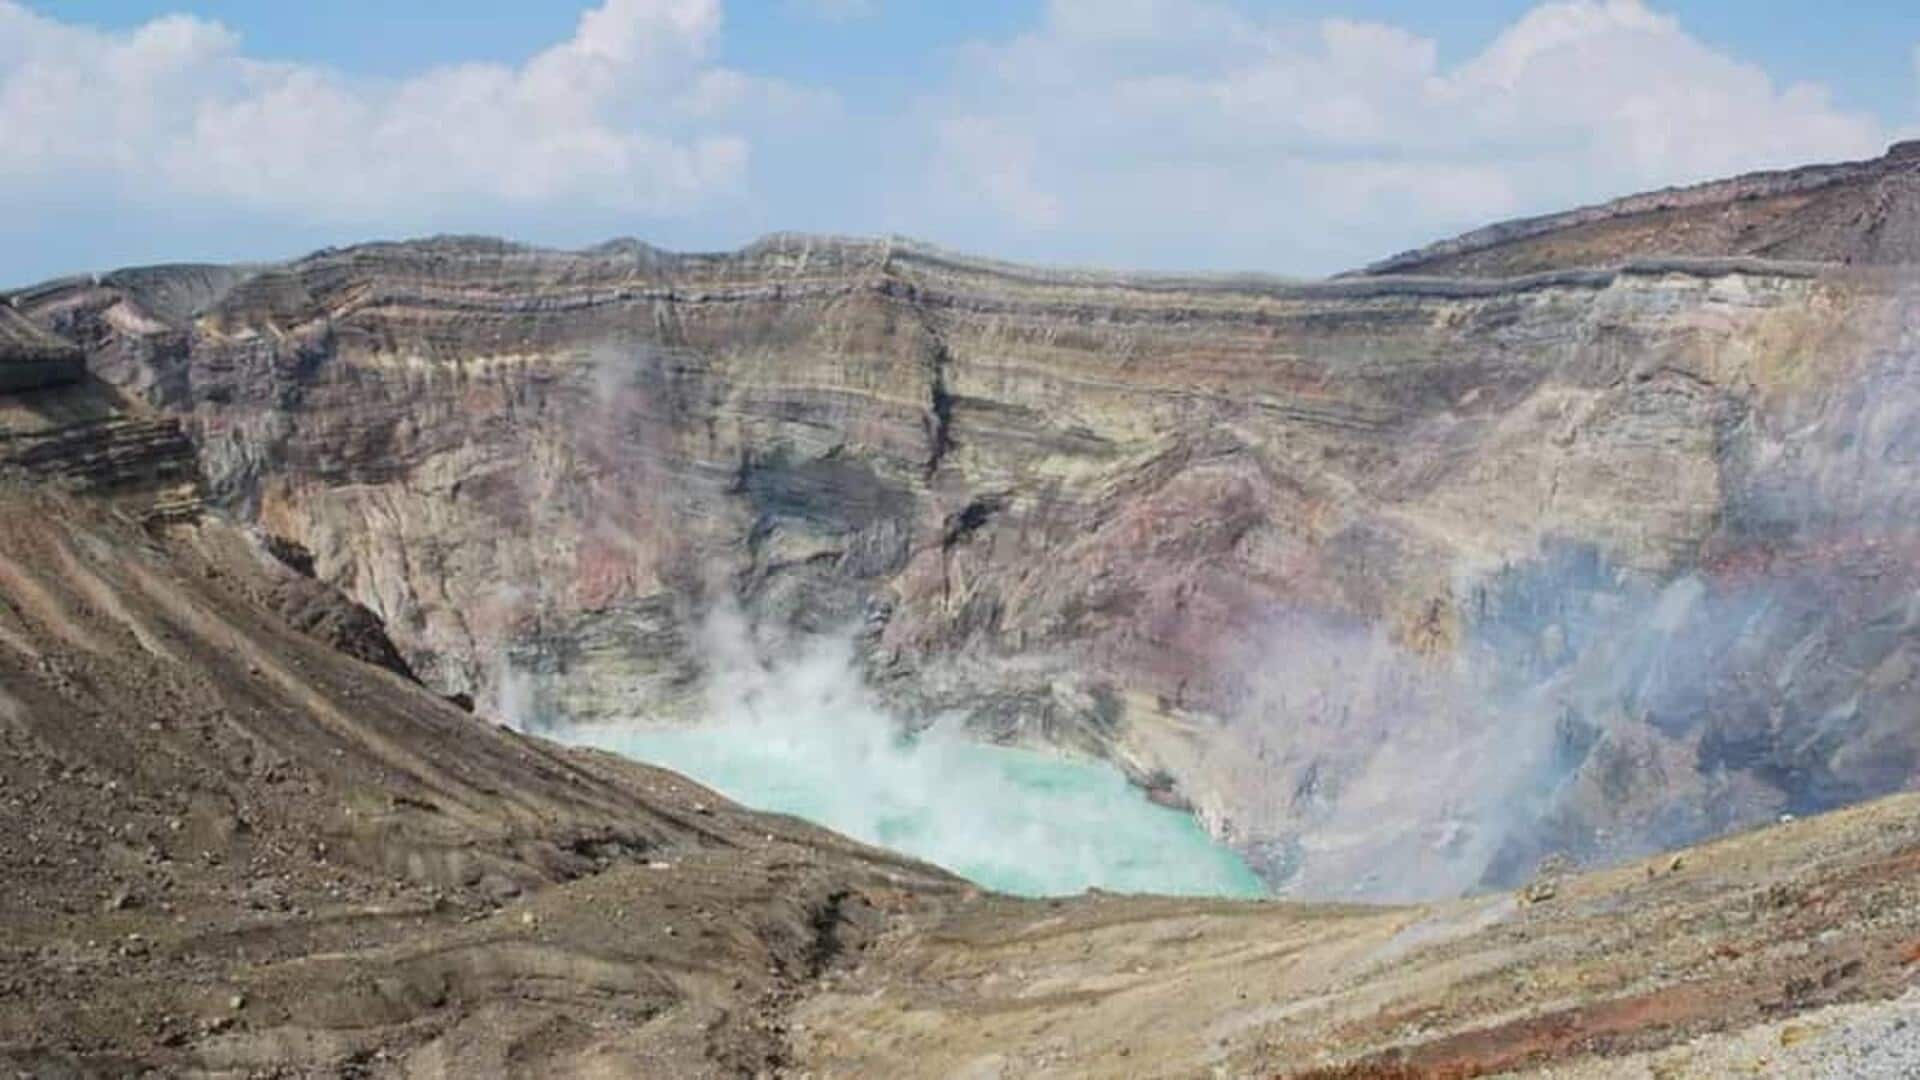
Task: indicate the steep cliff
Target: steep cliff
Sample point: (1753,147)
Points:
(1443,575)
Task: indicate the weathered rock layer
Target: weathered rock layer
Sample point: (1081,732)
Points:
(31,358)
(1438,574)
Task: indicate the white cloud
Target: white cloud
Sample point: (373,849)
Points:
(630,114)
(1200,133)
(1172,133)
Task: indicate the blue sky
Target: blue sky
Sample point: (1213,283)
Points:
(1213,134)
(1863,50)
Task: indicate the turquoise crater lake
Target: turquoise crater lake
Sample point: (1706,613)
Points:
(1012,820)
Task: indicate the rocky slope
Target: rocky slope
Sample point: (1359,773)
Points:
(234,848)
(1445,575)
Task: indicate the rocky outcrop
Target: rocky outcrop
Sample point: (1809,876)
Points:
(1432,575)
(80,438)
(107,455)
(31,358)
(320,611)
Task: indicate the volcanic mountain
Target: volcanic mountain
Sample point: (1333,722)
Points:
(1566,542)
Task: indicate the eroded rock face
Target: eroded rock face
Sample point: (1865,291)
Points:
(1403,583)
(31,358)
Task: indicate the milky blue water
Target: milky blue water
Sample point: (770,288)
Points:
(1011,820)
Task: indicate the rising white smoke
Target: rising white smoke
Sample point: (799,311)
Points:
(797,730)
(1358,768)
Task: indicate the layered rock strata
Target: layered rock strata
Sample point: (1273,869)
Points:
(1438,574)
(31,358)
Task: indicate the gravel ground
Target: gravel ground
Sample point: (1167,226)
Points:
(1847,1042)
